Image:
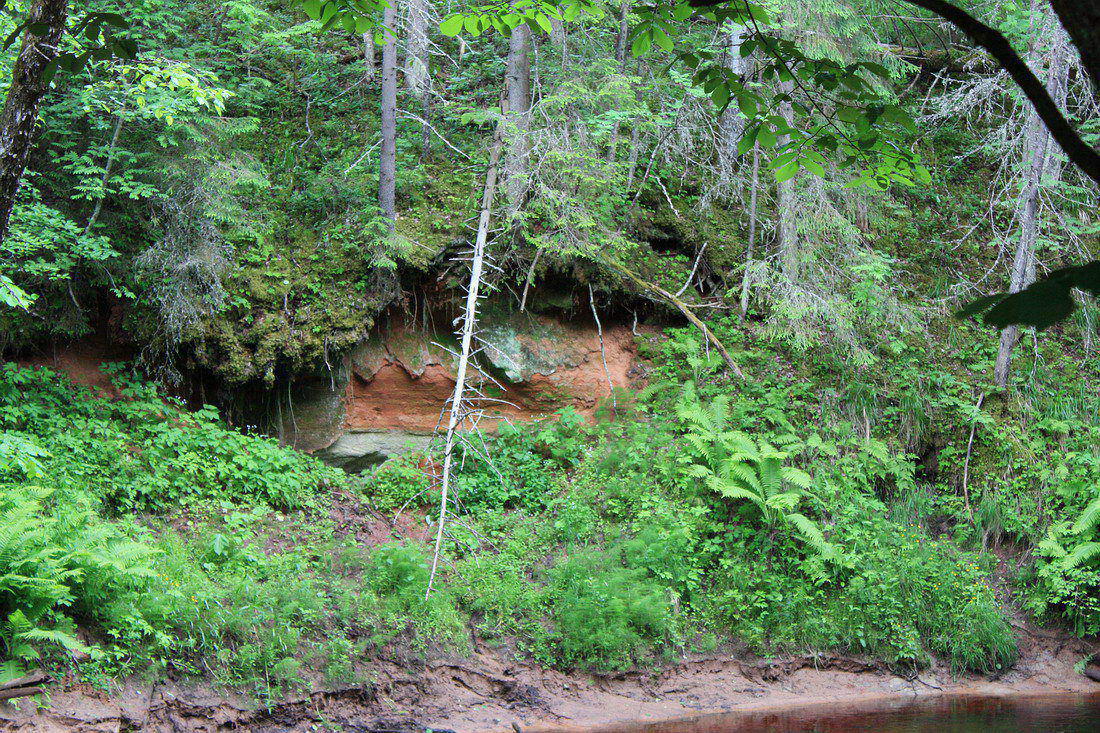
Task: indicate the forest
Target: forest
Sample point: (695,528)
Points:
(447,364)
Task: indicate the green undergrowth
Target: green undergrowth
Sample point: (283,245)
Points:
(139,538)
(767,513)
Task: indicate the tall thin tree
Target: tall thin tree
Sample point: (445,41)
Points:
(787,229)
(387,170)
(518,92)
(417,60)
(1037,154)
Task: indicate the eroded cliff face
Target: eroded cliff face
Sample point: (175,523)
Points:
(388,395)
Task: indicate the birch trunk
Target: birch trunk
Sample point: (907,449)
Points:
(387,175)
(731,124)
(469,323)
(368,56)
(518,84)
(28,87)
(1038,155)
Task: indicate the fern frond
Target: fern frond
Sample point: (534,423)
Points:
(811,534)
(742,472)
(1089,519)
(797,477)
(1082,554)
(771,475)
(733,491)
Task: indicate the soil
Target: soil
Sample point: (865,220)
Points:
(490,691)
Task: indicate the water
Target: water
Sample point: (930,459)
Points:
(1046,714)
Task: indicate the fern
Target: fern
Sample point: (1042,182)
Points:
(813,536)
(1089,519)
(1082,554)
(739,468)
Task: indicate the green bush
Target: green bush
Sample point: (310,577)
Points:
(396,483)
(519,466)
(398,575)
(898,595)
(604,616)
(145,452)
(1067,576)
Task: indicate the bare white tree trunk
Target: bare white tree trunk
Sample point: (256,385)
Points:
(518,90)
(387,175)
(368,56)
(731,124)
(1038,152)
(750,248)
(469,323)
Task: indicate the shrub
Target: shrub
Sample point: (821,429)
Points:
(899,595)
(603,615)
(1068,572)
(517,467)
(396,483)
(145,452)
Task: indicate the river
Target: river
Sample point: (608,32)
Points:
(1018,714)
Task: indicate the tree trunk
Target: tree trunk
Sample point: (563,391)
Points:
(518,83)
(1038,152)
(469,323)
(106,176)
(751,246)
(731,124)
(387,176)
(789,255)
(28,86)
(368,56)
(622,38)
(417,66)
(621,42)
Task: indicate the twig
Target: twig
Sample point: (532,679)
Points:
(966,462)
(603,352)
(694,267)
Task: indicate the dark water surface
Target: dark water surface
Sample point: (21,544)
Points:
(1045,714)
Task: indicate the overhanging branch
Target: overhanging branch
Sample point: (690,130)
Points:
(997,46)
(1075,148)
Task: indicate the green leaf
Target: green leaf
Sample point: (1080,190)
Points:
(661,39)
(452,26)
(721,96)
(787,171)
(814,167)
(747,141)
(544,22)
